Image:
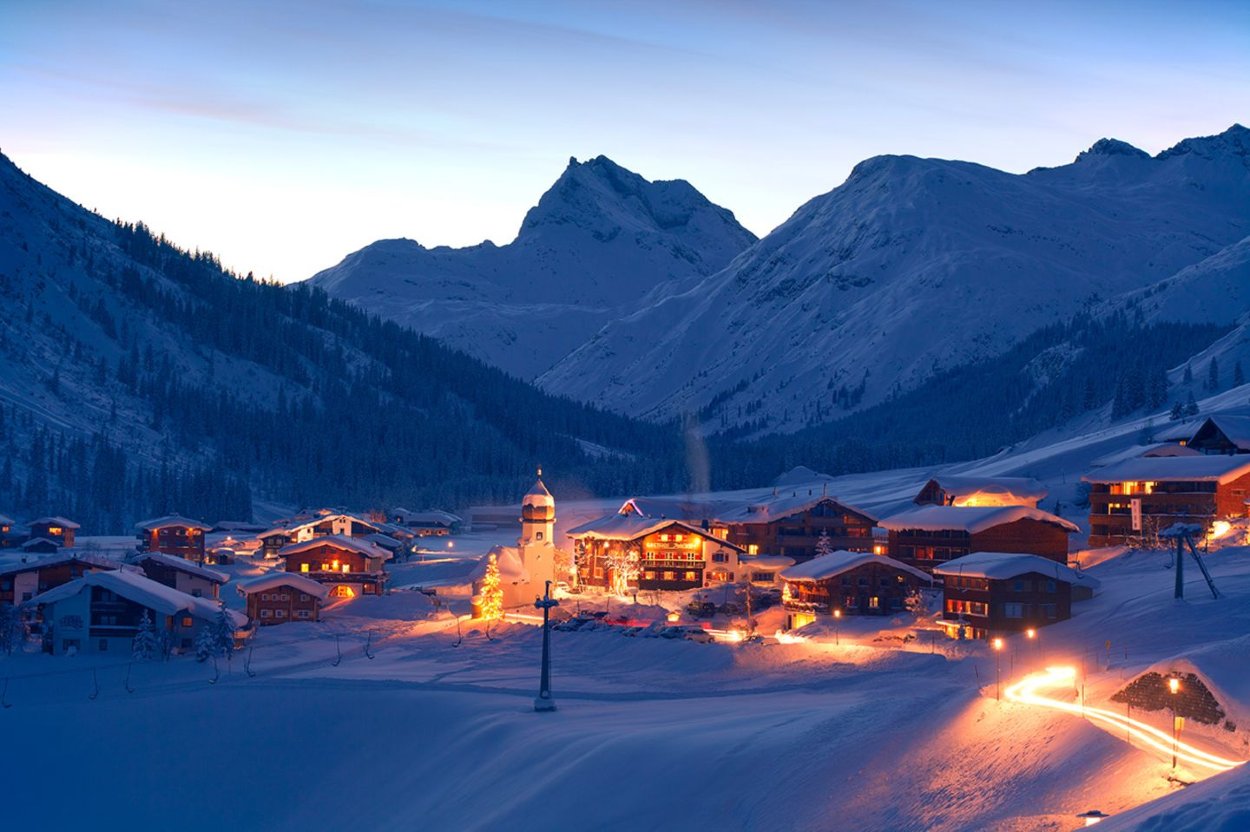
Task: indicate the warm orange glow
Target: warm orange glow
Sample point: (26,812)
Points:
(1174,684)
(303,567)
(1028,691)
(837,613)
(753,549)
(1030,633)
(878,549)
(998,644)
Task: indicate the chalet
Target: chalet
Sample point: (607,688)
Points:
(181,574)
(792,525)
(279,597)
(7,537)
(927,536)
(272,542)
(763,570)
(173,535)
(348,567)
(1132,501)
(857,583)
(1222,435)
(986,592)
(101,612)
(20,582)
(947,490)
(56,529)
(428,523)
(324,524)
(626,549)
(39,546)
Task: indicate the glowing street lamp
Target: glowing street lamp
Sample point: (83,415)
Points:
(544,701)
(837,620)
(998,668)
(1174,687)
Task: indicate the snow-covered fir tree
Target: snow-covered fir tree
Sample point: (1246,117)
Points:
(147,644)
(12,630)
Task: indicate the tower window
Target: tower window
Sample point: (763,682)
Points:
(538,536)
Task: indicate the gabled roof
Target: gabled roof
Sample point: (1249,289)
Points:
(38,541)
(172,521)
(676,508)
(823,567)
(785,505)
(55,521)
(1156,449)
(434,517)
(1221,469)
(632,527)
(964,486)
(277,578)
(329,517)
(970,519)
(385,541)
(1001,566)
(141,590)
(6,520)
(184,565)
(1235,428)
(337,541)
(64,556)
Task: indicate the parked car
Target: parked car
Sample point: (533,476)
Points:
(688,633)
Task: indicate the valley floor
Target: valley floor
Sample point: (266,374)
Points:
(438,731)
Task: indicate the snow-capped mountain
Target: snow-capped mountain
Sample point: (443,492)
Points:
(601,243)
(912,265)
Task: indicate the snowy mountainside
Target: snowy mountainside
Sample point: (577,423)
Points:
(601,243)
(913,265)
(139,379)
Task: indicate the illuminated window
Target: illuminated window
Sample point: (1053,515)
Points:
(753,549)
(874,602)
(346,568)
(55,530)
(664,538)
(303,567)
(186,621)
(670,575)
(678,537)
(691,576)
(649,575)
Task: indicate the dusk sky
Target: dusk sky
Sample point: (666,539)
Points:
(284,135)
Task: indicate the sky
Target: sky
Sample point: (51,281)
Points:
(284,135)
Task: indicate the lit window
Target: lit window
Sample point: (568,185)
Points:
(186,621)
(346,568)
(678,537)
(303,567)
(691,576)
(874,602)
(753,549)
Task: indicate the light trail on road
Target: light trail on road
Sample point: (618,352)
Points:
(1028,691)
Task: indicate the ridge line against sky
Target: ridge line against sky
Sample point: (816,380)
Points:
(283,136)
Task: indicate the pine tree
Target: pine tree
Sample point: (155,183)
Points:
(1178,412)
(223,631)
(1188,378)
(1191,406)
(1213,375)
(492,591)
(146,645)
(824,545)
(205,643)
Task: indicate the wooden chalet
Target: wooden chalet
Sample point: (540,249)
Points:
(348,567)
(427,523)
(928,536)
(21,582)
(181,574)
(1132,501)
(282,597)
(324,524)
(857,583)
(59,530)
(1222,435)
(173,535)
(667,554)
(7,537)
(792,525)
(988,592)
(949,490)
(101,612)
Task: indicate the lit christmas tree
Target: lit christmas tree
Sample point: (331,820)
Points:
(492,591)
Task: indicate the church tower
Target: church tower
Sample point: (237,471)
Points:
(538,529)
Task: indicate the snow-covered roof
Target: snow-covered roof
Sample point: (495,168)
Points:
(330,516)
(337,541)
(1157,449)
(785,505)
(1235,428)
(511,568)
(971,519)
(1001,566)
(632,527)
(64,556)
(55,521)
(184,565)
(39,541)
(766,563)
(965,486)
(6,520)
(143,591)
(172,521)
(385,541)
(823,567)
(676,508)
(1221,469)
(277,578)
(429,516)
(1178,431)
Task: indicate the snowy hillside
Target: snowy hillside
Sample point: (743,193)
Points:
(601,243)
(909,266)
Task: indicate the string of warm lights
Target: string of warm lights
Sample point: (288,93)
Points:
(1027,691)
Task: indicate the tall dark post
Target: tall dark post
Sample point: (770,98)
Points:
(1180,568)
(544,700)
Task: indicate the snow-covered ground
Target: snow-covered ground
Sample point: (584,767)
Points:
(437,728)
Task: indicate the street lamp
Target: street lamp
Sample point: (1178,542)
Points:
(544,700)
(1174,686)
(837,619)
(998,668)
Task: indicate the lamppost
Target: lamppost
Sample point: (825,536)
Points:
(544,700)
(837,626)
(998,668)
(1174,686)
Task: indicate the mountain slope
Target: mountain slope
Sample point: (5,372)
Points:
(910,266)
(601,243)
(140,379)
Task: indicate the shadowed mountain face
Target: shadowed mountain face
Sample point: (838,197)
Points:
(601,244)
(910,266)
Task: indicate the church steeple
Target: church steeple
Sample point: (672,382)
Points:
(538,515)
